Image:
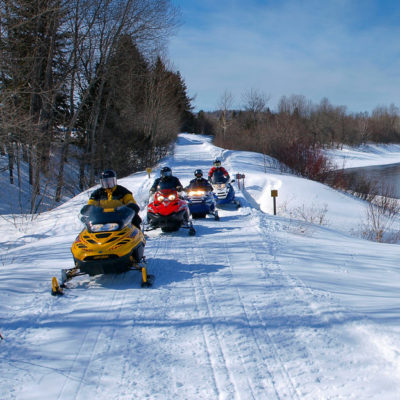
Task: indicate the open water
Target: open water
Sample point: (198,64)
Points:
(384,176)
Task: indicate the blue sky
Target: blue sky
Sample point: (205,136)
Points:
(345,50)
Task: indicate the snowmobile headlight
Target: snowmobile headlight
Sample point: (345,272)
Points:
(171,197)
(160,198)
(104,227)
(197,193)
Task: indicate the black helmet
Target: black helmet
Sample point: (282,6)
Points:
(198,173)
(108,179)
(217,162)
(165,171)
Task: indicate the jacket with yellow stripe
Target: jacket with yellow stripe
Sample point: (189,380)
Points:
(113,198)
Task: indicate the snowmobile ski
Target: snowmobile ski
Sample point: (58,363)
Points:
(56,290)
(68,274)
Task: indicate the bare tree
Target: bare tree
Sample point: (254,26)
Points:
(381,215)
(295,105)
(255,103)
(225,105)
(160,115)
(362,127)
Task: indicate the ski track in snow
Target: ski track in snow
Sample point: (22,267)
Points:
(254,349)
(225,320)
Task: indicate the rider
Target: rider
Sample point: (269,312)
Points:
(217,167)
(166,177)
(199,182)
(111,195)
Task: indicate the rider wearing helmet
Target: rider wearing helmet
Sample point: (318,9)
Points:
(199,182)
(111,195)
(167,178)
(217,167)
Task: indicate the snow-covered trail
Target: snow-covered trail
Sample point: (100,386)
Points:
(226,318)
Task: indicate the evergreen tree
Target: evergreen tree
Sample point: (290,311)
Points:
(124,102)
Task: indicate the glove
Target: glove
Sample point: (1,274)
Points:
(134,207)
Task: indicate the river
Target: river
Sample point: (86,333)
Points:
(385,176)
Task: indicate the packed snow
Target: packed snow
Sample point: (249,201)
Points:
(255,306)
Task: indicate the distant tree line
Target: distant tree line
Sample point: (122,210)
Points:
(87,73)
(299,130)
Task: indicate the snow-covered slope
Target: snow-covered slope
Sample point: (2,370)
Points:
(16,198)
(254,306)
(365,155)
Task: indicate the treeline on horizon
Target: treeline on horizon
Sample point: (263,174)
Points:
(298,131)
(85,80)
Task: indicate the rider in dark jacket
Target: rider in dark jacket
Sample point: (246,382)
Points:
(199,183)
(172,182)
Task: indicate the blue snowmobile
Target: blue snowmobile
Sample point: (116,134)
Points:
(200,197)
(223,189)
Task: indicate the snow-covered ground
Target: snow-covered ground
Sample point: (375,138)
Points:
(365,155)
(255,306)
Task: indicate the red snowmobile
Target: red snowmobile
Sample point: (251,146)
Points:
(168,212)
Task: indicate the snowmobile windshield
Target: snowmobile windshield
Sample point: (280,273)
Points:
(199,186)
(98,219)
(166,184)
(218,177)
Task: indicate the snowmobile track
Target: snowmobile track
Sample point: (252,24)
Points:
(250,348)
(94,342)
(222,380)
(264,343)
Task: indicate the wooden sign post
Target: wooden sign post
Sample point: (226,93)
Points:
(274,195)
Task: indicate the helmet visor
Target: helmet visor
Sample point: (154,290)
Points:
(108,183)
(217,163)
(166,173)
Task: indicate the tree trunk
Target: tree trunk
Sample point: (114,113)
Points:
(60,176)
(11,158)
(82,180)
(19,177)
(30,158)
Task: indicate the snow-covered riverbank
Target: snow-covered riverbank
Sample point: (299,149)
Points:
(366,155)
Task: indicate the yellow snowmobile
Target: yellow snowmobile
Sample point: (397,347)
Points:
(109,244)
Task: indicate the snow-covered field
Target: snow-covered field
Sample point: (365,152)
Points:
(255,306)
(365,155)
